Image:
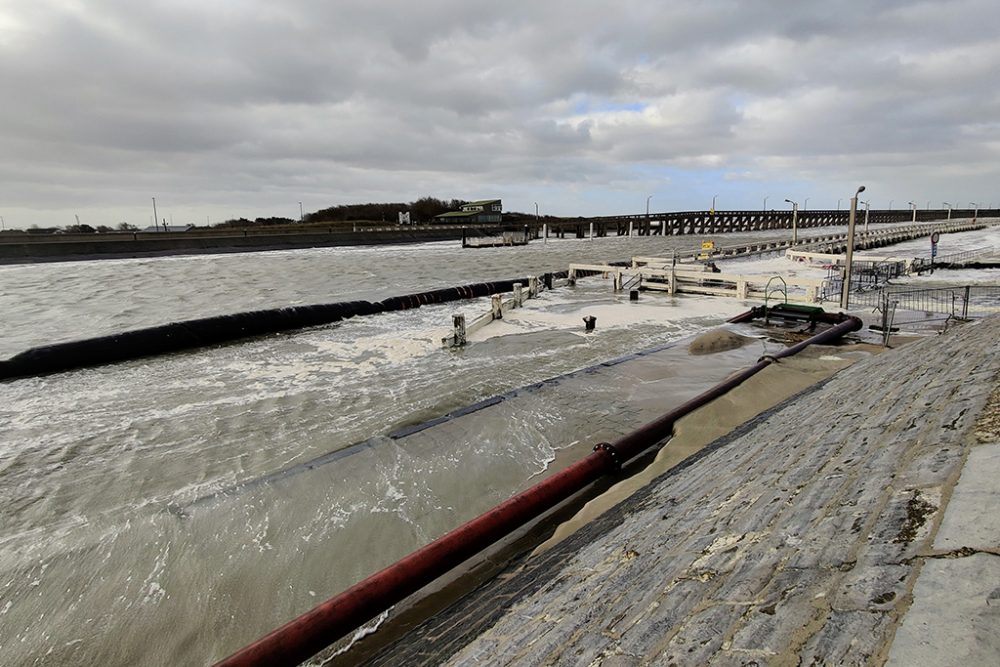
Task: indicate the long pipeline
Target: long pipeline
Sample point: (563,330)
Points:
(219,329)
(303,637)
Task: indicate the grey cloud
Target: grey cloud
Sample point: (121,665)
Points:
(262,100)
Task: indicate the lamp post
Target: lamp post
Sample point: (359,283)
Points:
(155,223)
(845,290)
(949,208)
(805,204)
(838,203)
(300,212)
(713,204)
(866,214)
(765,203)
(3,225)
(928,206)
(976,207)
(914,207)
(649,229)
(795,220)
(890,204)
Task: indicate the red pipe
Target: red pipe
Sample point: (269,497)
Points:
(313,631)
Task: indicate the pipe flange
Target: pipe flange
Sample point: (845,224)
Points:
(768,357)
(616,459)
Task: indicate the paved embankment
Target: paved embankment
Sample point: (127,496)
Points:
(803,537)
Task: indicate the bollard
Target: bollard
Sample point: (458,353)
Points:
(589,322)
(633,295)
(496,303)
(518,295)
(458,321)
(532,287)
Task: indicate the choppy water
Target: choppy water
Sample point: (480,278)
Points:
(96,568)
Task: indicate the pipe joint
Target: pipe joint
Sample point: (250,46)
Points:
(616,458)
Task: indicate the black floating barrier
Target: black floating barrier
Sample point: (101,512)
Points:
(190,334)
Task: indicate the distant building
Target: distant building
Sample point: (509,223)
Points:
(170,228)
(487,211)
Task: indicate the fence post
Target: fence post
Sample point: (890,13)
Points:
(532,286)
(496,303)
(518,295)
(965,303)
(887,318)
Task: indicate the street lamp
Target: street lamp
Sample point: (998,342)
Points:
(649,229)
(949,208)
(805,204)
(713,203)
(866,214)
(928,206)
(976,213)
(795,219)
(155,223)
(765,203)
(914,207)
(890,204)
(845,290)
(838,204)
(300,212)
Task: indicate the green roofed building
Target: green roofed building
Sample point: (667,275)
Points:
(475,212)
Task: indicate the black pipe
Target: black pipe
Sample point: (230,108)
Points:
(190,334)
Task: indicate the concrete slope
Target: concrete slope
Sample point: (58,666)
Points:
(796,539)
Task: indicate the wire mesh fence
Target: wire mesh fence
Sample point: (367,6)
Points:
(866,276)
(929,307)
(871,277)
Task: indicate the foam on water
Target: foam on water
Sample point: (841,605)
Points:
(92,462)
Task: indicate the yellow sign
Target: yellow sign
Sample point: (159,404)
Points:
(708,245)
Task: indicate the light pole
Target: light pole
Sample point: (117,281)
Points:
(928,206)
(713,203)
(3,225)
(300,212)
(866,215)
(805,204)
(838,203)
(976,207)
(890,204)
(155,223)
(949,208)
(845,290)
(795,220)
(765,203)
(649,229)
(914,207)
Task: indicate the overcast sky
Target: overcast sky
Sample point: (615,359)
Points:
(226,108)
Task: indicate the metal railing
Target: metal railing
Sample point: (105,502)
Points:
(920,308)
(866,276)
